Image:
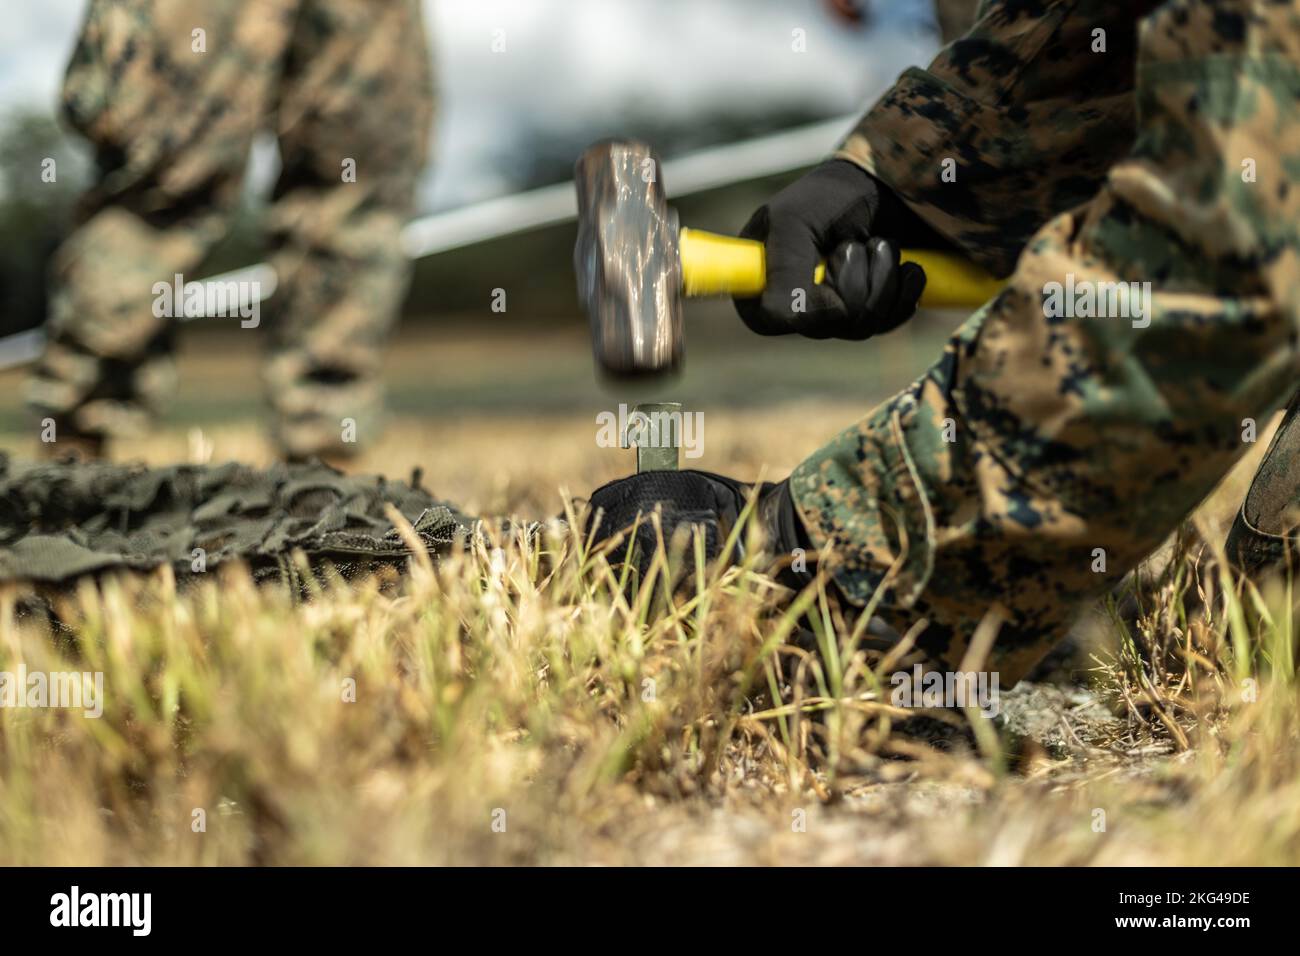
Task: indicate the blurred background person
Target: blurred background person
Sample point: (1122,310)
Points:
(170,94)
(523,86)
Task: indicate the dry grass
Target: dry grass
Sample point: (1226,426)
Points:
(513,684)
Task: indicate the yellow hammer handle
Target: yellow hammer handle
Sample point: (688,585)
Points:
(724,265)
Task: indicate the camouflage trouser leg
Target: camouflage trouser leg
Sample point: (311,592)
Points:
(1046,454)
(353,122)
(171,112)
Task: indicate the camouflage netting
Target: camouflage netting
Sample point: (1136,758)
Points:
(62,520)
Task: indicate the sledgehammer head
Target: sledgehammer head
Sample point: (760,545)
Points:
(626,258)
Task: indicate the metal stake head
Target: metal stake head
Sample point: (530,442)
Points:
(655,430)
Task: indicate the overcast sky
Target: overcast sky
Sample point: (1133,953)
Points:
(571,67)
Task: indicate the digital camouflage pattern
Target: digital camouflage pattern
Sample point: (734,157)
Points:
(1030,116)
(62,520)
(1074,434)
(954,17)
(172,127)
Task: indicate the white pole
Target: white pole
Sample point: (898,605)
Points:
(695,172)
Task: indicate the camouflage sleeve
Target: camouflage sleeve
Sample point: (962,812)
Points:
(1078,417)
(1013,123)
(954,18)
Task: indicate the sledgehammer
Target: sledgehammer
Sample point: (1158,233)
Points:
(634,263)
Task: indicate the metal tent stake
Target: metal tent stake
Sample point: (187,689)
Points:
(655,430)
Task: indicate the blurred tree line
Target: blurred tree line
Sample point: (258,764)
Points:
(34,213)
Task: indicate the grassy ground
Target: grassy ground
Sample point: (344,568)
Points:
(508,705)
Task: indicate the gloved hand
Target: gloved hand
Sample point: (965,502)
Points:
(694,498)
(841,213)
(713,503)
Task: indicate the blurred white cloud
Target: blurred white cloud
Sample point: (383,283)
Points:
(573,68)
(579,65)
(36,37)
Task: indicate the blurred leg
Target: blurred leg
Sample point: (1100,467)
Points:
(171,114)
(1047,452)
(354,120)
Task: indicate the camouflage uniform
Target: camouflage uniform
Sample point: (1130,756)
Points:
(337,80)
(954,17)
(1039,446)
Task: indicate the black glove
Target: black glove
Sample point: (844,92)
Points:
(713,503)
(841,213)
(694,498)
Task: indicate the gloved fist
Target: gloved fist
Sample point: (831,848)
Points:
(700,499)
(838,212)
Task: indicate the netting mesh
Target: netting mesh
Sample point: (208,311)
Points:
(62,520)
